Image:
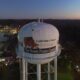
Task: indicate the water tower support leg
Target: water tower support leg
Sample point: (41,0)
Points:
(55,68)
(20,67)
(38,71)
(26,70)
(49,71)
(23,64)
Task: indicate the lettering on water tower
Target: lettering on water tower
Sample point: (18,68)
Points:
(32,46)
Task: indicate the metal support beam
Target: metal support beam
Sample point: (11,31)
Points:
(49,71)
(55,68)
(26,64)
(38,71)
(20,68)
(24,71)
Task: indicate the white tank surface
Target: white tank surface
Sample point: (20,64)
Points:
(38,42)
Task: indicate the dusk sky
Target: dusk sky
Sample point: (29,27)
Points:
(52,9)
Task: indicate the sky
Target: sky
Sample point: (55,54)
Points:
(32,9)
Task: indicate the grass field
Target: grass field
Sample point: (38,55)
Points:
(65,76)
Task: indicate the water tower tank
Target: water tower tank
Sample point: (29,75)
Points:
(38,42)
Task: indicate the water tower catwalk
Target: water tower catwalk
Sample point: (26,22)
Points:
(38,44)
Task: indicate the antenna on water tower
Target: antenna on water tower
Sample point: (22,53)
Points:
(40,20)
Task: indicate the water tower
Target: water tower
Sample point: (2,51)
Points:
(38,43)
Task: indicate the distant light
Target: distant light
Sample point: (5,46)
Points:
(77,66)
(1,60)
(13,31)
(6,64)
(78,69)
